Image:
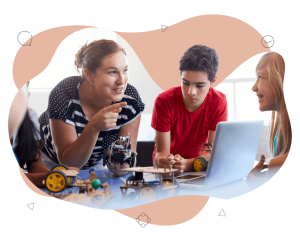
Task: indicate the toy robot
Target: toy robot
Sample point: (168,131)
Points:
(119,156)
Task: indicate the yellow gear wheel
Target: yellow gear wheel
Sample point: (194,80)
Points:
(63,167)
(198,164)
(56,181)
(169,183)
(147,194)
(60,167)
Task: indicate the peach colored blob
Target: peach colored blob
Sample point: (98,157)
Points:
(32,60)
(170,211)
(160,52)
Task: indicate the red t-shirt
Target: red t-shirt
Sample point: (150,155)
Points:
(189,130)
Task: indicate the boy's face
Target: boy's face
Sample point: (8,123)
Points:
(194,86)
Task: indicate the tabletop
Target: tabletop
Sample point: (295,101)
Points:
(117,202)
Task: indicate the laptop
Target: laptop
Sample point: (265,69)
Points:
(232,156)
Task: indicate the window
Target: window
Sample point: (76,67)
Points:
(242,101)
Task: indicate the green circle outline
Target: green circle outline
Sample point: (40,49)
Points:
(21,43)
(267,44)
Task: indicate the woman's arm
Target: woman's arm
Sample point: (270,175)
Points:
(75,151)
(72,150)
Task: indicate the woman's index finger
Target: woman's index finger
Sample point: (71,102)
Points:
(115,106)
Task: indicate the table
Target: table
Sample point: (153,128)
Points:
(225,192)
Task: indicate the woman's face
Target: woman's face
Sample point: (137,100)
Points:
(194,86)
(264,92)
(111,78)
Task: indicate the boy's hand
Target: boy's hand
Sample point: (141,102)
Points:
(180,164)
(166,162)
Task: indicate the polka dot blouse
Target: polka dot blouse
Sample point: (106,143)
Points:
(64,104)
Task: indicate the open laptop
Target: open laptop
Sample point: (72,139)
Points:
(232,156)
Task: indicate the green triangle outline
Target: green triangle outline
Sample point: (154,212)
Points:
(32,206)
(221,212)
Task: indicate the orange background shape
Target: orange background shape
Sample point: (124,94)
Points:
(30,61)
(234,41)
(160,52)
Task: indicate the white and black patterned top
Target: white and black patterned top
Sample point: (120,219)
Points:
(64,104)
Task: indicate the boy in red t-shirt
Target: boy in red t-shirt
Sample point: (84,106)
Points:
(186,117)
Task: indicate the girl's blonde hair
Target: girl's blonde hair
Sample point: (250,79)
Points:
(280,120)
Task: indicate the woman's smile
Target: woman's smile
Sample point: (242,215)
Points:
(119,90)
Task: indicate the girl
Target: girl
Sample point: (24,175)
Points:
(269,90)
(27,143)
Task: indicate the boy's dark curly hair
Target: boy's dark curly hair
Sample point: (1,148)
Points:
(200,58)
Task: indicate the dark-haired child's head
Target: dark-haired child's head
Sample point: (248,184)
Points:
(200,58)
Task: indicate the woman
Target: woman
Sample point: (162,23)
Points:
(186,117)
(269,89)
(83,117)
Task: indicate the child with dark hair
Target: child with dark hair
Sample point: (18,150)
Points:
(27,144)
(185,117)
(26,140)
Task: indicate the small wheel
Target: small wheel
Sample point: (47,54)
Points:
(148,194)
(60,167)
(132,195)
(56,181)
(173,191)
(71,180)
(197,165)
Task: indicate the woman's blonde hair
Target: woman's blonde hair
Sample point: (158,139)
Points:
(280,120)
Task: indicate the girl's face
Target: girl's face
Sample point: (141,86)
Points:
(264,92)
(194,86)
(111,78)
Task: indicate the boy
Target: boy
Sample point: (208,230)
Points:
(186,117)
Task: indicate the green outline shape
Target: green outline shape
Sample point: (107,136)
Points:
(164,29)
(143,225)
(221,212)
(32,206)
(21,43)
(267,44)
